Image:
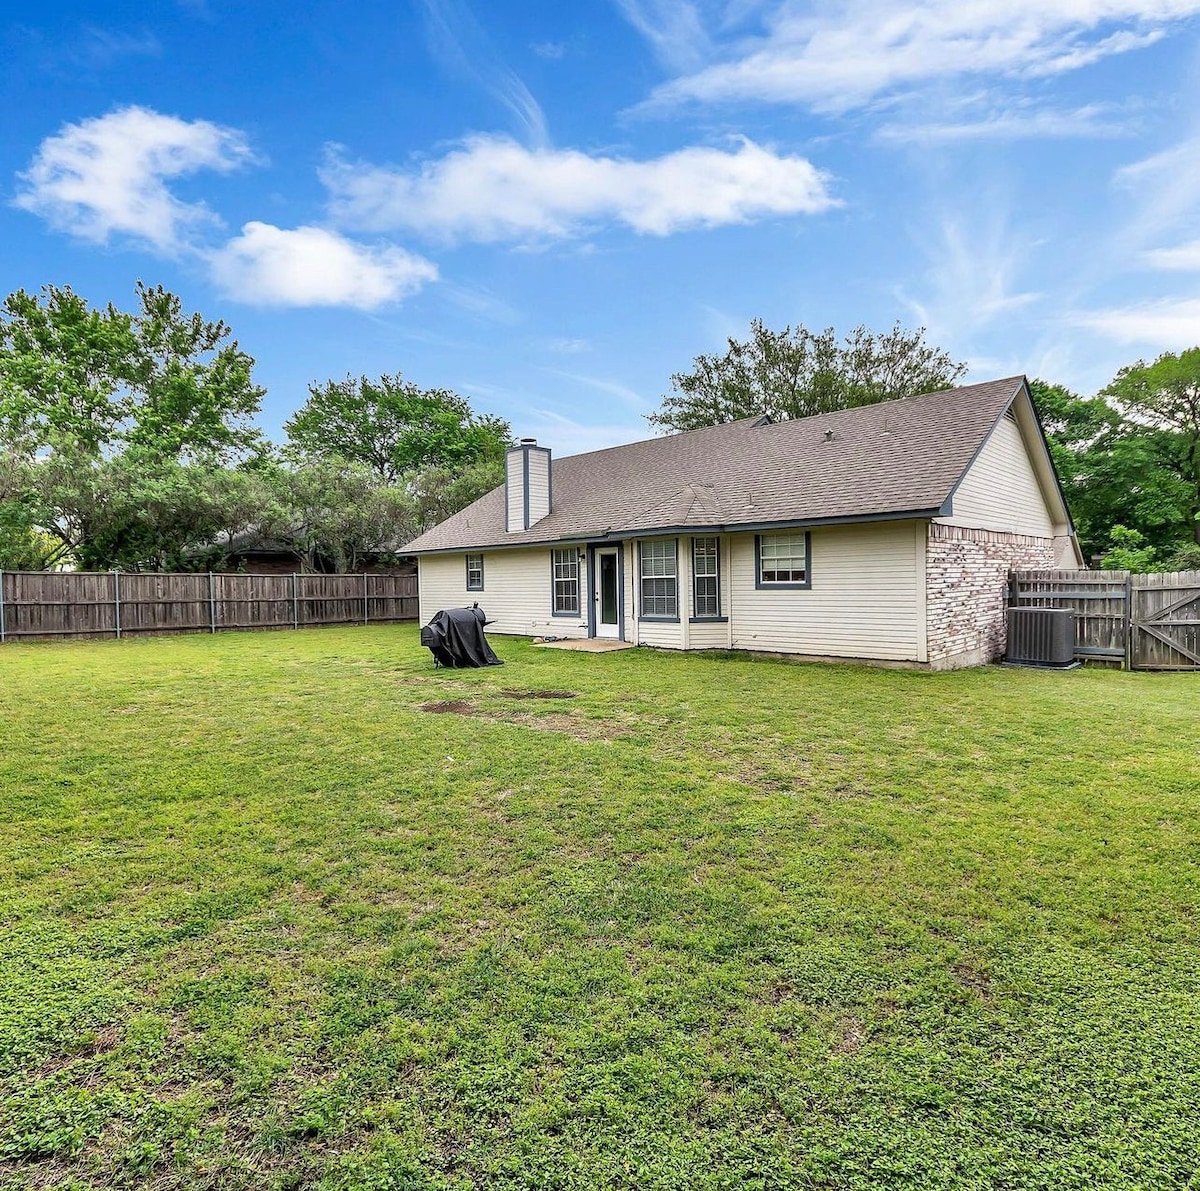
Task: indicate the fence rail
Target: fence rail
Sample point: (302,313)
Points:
(51,604)
(1145,622)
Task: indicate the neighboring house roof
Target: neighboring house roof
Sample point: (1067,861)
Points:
(892,459)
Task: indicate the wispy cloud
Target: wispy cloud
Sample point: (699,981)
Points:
(1170,323)
(1184,258)
(601,384)
(108,176)
(311,266)
(492,189)
(1165,188)
(1015,122)
(838,57)
(552,51)
(460,44)
(568,347)
(974,264)
(674,30)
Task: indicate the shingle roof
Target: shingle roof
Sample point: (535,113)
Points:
(882,460)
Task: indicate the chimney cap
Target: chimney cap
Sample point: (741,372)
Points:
(527,442)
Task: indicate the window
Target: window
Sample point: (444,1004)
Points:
(706,580)
(564,571)
(660,589)
(474,572)
(783,559)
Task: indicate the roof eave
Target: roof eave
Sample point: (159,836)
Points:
(626,535)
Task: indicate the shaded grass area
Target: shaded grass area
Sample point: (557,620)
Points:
(714,922)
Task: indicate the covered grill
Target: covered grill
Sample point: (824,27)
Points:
(456,639)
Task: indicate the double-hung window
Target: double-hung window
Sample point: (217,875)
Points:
(706,578)
(660,579)
(783,559)
(474,572)
(564,572)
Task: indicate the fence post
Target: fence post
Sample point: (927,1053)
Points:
(117,601)
(1,607)
(365,597)
(295,604)
(1128,621)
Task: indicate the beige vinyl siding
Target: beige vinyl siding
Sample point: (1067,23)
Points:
(515,596)
(539,485)
(1000,490)
(514,493)
(864,601)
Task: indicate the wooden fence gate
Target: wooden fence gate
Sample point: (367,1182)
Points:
(1145,622)
(1164,621)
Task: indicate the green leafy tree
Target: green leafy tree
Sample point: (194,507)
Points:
(95,381)
(1114,471)
(394,427)
(1166,395)
(138,511)
(337,514)
(795,373)
(1129,551)
(191,394)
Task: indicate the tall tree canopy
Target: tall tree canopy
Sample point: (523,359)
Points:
(795,373)
(1165,396)
(395,428)
(120,429)
(1115,472)
(90,382)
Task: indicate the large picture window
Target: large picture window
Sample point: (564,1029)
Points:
(706,578)
(474,572)
(564,570)
(660,579)
(782,559)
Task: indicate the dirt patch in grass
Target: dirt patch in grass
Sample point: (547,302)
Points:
(539,694)
(567,724)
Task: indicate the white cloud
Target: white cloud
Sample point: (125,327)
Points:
(1183,258)
(310,266)
(1170,323)
(493,189)
(107,175)
(838,56)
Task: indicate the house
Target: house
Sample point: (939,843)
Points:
(884,533)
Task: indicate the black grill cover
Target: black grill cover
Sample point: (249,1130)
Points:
(455,638)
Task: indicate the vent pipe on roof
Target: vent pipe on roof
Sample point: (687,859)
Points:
(527,485)
(829,436)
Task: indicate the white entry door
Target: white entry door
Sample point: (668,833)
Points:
(606,594)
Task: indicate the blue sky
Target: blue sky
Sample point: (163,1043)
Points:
(552,207)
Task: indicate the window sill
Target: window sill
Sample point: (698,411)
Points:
(658,620)
(568,615)
(760,586)
(709,620)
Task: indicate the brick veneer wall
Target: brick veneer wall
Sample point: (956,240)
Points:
(966,571)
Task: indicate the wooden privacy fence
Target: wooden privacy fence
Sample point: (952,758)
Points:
(116,604)
(1145,622)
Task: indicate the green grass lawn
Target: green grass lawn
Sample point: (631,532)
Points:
(266,921)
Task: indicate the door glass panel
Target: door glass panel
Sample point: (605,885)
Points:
(608,589)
